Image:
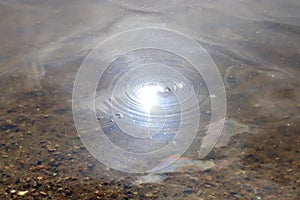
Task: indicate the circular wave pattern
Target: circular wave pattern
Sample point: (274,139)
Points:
(137,99)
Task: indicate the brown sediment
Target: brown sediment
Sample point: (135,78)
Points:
(43,157)
(275,153)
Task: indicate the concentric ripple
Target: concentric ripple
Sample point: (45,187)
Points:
(147,87)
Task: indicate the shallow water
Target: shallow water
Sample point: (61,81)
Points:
(256,47)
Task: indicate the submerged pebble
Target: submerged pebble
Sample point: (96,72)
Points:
(22,193)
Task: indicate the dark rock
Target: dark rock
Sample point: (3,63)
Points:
(6,127)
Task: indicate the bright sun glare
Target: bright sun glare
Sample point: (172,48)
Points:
(148,96)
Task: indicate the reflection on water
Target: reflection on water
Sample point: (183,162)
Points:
(255,45)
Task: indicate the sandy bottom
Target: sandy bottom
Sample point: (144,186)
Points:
(42,157)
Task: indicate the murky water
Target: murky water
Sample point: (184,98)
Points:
(255,46)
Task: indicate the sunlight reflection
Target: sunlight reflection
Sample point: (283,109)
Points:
(148,96)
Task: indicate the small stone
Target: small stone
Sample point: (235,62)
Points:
(38,162)
(257,105)
(76,147)
(43,193)
(22,193)
(200,192)
(243,192)
(208,178)
(155,192)
(39,178)
(119,115)
(68,192)
(13,191)
(90,165)
(99,193)
(51,148)
(99,118)
(149,194)
(188,191)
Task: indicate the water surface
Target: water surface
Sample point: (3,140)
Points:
(256,47)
